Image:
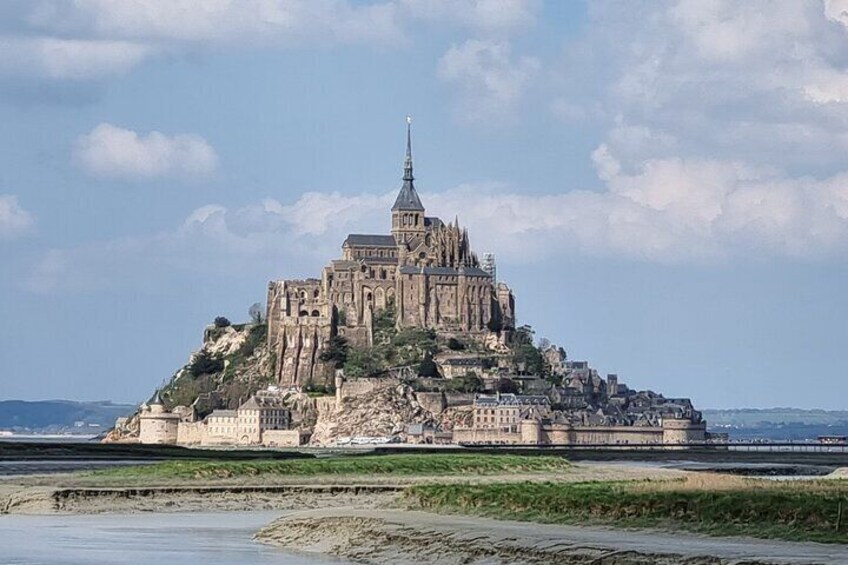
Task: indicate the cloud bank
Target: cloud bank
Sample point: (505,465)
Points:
(112,151)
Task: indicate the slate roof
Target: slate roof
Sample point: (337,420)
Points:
(470,271)
(380,261)
(433,222)
(407,198)
(223,414)
(463,361)
(370,240)
(512,400)
(474,272)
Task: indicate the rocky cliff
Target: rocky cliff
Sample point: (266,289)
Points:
(231,364)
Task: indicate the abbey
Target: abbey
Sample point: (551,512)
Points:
(424,270)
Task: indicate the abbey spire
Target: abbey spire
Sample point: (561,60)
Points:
(407,198)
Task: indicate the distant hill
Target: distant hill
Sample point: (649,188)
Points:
(778,424)
(59,415)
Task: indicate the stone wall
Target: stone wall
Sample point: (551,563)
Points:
(485,435)
(158,428)
(353,388)
(454,399)
(617,435)
(282,438)
(191,433)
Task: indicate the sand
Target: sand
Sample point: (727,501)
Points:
(380,536)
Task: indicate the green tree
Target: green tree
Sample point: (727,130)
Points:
(506,386)
(469,382)
(205,364)
(362,363)
(455,345)
(222,322)
(335,352)
(428,368)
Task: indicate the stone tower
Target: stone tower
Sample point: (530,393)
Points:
(490,266)
(407,212)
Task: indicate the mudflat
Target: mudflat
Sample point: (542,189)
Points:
(392,536)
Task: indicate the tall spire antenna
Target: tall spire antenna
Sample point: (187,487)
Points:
(407,163)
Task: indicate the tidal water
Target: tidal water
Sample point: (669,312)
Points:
(222,538)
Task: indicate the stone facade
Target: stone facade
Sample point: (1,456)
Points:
(257,421)
(157,425)
(424,269)
(509,419)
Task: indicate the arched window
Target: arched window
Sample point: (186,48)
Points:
(315,313)
(303,313)
(316,293)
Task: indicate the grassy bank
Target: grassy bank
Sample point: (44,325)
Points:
(384,465)
(800,511)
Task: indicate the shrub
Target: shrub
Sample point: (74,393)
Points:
(532,360)
(335,352)
(362,363)
(428,368)
(466,383)
(222,322)
(506,386)
(205,364)
(455,345)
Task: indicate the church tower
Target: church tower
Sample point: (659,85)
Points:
(407,212)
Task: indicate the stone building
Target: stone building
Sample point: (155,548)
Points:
(157,425)
(643,418)
(424,269)
(263,419)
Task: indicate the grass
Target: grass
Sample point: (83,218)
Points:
(384,465)
(799,511)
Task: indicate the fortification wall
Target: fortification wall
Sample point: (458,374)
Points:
(454,399)
(617,435)
(676,432)
(158,428)
(485,435)
(191,433)
(282,438)
(366,385)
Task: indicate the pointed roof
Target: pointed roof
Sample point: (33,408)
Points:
(407,198)
(156,399)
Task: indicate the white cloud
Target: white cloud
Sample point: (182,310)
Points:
(90,39)
(713,78)
(111,151)
(252,22)
(669,210)
(69,59)
(495,16)
(14,220)
(491,82)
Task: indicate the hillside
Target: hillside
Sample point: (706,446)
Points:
(54,416)
(777,424)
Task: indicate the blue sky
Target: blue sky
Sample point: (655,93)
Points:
(664,184)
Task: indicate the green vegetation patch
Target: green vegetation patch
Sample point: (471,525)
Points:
(793,512)
(412,464)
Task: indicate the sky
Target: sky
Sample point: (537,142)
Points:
(664,184)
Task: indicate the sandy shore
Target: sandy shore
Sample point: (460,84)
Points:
(43,500)
(82,493)
(394,536)
(359,518)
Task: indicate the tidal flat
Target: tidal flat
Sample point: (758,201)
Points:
(469,508)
